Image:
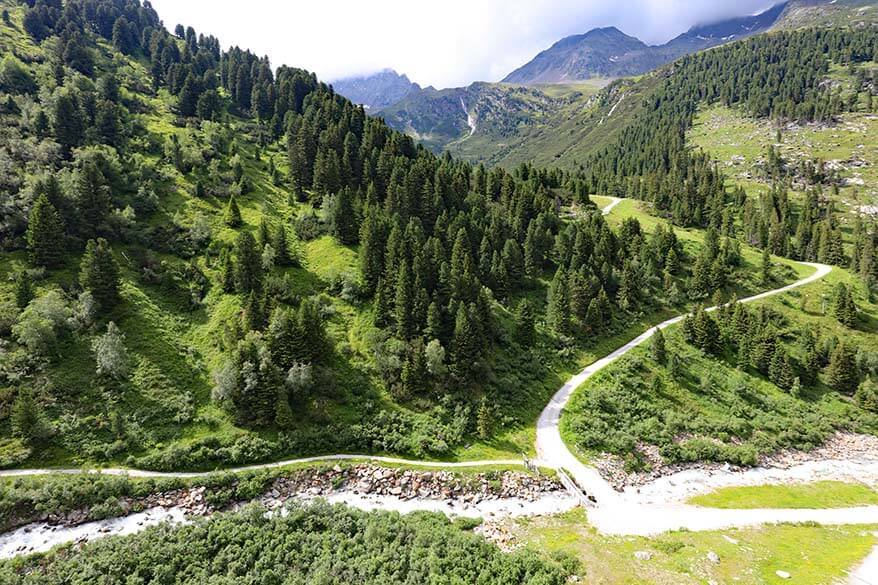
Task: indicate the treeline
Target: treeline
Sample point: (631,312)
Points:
(308,544)
(778,75)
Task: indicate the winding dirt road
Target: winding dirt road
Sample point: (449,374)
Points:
(613,512)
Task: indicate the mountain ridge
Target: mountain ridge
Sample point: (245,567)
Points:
(609,52)
(377,90)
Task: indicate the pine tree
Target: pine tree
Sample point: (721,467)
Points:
(344,218)
(99,274)
(45,234)
(404,303)
(657,347)
(248,264)
(866,395)
(282,247)
(841,374)
(845,309)
(233,214)
(92,196)
(484,420)
(525,319)
(27,417)
(558,307)
(24,292)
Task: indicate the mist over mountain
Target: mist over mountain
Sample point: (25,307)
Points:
(377,90)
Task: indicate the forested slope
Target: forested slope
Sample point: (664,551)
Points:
(208,261)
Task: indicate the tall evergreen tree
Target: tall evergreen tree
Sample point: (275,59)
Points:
(99,274)
(45,234)
(657,347)
(233,213)
(248,264)
(344,218)
(558,306)
(842,374)
(24,292)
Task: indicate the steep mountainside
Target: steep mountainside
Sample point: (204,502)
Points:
(376,91)
(607,52)
(804,13)
(444,119)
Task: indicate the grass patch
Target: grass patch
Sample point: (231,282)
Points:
(813,555)
(822,494)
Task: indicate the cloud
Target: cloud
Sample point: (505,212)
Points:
(445,44)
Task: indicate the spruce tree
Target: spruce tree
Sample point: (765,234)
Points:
(484,420)
(434,328)
(24,292)
(404,303)
(99,274)
(558,306)
(92,195)
(233,213)
(525,319)
(344,218)
(254,313)
(766,267)
(248,264)
(780,372)
(67,121)
(466,346)
(866,395)
(845,309)
(842,374)
(282,247)
(26,417)
(657,347)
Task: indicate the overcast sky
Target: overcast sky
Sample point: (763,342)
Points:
(446,43)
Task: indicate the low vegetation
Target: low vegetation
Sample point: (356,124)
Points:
(306,544)
(812,555)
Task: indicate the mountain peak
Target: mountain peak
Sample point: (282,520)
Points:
(609,52)
(377,90)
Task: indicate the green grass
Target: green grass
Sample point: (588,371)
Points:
(739,143)
(813,555)
(822,494)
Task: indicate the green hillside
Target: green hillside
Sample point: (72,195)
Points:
(208,263)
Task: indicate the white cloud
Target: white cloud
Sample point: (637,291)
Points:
(445,44)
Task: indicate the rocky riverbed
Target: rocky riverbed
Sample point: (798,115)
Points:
(844,457)
(368,487)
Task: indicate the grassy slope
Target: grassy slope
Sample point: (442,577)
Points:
(740,144)
(812,555)
(772,416)
(822,494)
